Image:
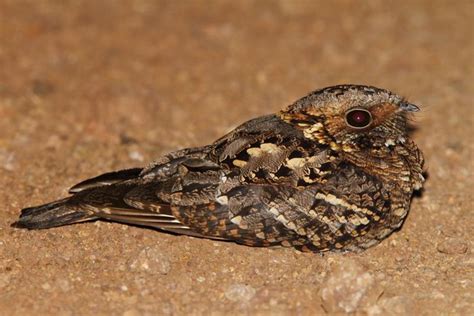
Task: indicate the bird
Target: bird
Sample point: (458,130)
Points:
(334,171)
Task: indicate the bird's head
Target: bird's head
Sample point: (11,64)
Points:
(351,117)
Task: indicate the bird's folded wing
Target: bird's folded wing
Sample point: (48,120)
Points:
(106,179)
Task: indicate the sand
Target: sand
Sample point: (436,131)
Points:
(92,86)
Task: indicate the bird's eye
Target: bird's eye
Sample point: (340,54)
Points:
(358,118)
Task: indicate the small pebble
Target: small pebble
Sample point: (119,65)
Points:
(151,260)
(240,293)
(7,160)
(46,286)
(397,305)
(132,312)
(135,155)
(452,246)
(64,285)
(438,295)
(4,280)
(347,287)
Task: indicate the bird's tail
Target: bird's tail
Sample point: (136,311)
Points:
(52,214)
(72,209)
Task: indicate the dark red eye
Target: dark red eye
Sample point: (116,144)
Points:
(358,118)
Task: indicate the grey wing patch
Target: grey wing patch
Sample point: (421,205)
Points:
(191,196)
(128,202)
(186,178)
(193,184)
(167,166)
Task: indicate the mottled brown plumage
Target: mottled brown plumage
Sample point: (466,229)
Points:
(333,171)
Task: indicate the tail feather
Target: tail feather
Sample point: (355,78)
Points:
(125,202)
(52,214)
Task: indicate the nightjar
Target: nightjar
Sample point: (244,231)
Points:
(335,170)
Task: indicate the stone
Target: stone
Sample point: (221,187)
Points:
(396,305)
(348,287)
(240,293)
(151,260)
(452,246)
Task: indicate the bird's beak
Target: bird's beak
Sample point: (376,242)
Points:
(409,107)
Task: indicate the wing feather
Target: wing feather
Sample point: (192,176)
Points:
(106,179)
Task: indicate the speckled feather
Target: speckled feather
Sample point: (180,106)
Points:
(302,178)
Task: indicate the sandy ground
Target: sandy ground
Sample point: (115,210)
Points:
(91,86)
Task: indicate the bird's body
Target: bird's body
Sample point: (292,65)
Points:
(314,176)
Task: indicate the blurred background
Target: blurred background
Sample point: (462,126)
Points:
(90,86)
